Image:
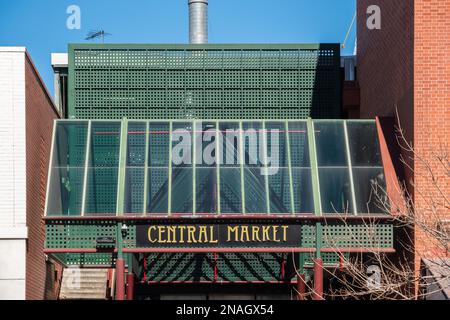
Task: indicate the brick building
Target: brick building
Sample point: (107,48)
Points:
(405,66)
(28,113)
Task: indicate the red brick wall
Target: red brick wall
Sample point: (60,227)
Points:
(407,64)
(431,109)
(39,124)
(386,64)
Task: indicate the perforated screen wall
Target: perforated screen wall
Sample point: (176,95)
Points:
(204,81)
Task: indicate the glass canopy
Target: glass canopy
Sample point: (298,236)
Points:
(203,168)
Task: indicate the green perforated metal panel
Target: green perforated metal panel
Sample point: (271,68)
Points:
(204,81)
(200,267)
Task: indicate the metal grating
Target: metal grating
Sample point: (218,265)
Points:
(204,81)
(200,267)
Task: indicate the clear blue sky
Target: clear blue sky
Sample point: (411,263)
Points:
(41,25)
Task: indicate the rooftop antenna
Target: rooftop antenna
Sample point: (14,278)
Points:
(97,34)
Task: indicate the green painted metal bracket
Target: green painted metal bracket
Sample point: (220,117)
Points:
(241,159)
(218,161)
(169,187)
(147,145)
(291,184)
(122,167)
(319,230)
(194,160)
(349,163)
(266,170)
(86,168)
(314,168)
(121,184)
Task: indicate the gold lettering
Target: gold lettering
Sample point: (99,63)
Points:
(244,231)
(181,228)
(265,234)
(161,231)
(211,235)
(171,234)
(191,234)
(202,234)
(149,234)
(275,233)
(231,229)
(255,234)
(284,232)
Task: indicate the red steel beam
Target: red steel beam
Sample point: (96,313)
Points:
(176,217)
(218,282)
(220,250)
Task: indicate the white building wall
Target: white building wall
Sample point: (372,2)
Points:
(13,231)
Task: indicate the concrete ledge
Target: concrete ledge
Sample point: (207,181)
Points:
(13,233)
(12,49)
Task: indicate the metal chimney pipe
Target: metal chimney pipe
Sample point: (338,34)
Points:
(198,21)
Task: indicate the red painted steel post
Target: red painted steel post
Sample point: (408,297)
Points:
(130,286)
(120,281)
(318,279)
(301,287)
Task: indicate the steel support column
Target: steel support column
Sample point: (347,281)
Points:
(120,281)
(301,287)
(318,279)
(130,286)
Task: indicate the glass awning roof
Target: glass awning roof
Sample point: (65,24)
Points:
(203,168)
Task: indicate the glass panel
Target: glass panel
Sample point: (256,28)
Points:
(279,192)
(182,144)
(254,178)
(276,144)
(230,144)
(157,193)
(158,172)
(65,191)
(330,143)
(300,166)
(134,190)
(253,139)
(303,193)
(298,137)
(67,169)
(335,190)
(206,191)
(136,140)
(230,190)
(134,179)
(159,144)
(334,175)
(364,145)
(101,192)
(181,190)
(182,173)
(255,191)
(230,169)
(205,133)
(370,190)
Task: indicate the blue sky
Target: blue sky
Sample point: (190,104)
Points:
(41,25)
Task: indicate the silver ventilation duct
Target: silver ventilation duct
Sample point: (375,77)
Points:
(198,21)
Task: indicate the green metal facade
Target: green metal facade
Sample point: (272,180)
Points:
(248,81)
(112,160)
